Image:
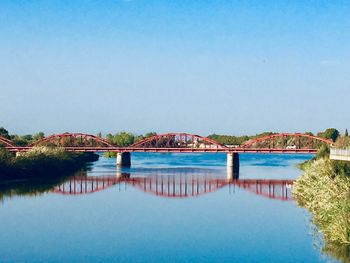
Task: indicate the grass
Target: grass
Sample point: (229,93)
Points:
(324,189)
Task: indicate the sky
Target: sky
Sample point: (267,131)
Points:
(225,67)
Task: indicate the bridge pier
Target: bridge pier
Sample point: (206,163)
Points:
(232,166)
(123,159)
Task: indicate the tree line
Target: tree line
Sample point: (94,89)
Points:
(123,139)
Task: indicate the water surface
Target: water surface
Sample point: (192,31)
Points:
(124,223)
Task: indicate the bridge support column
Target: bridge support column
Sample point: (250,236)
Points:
(232,166)
(123,159)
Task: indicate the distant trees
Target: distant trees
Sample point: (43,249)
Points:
(121,138)
(23,140)
(124,139)
(4,133)
(150,134)
(229,139)
(330,133)
(343,142)
(38,136)
(141,137)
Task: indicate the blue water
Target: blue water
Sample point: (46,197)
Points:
(124,224)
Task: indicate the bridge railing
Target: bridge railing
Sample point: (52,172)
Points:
(340,154)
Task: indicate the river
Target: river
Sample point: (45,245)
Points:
(135,219)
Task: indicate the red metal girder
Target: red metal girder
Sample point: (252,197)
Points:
(283,135)
(72,135)
(174,150)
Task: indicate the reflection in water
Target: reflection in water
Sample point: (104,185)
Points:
(170,186)
(176,186)
(29,187)
(340,252)
(180,236)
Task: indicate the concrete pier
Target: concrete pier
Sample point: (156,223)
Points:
(123,159)
(232,166)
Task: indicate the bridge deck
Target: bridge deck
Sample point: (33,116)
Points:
(176,150)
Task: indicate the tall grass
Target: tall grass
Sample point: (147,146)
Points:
(324,189)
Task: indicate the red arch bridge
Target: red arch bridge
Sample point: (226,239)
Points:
(177,186)
(282,143)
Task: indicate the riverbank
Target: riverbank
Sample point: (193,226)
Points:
(324,189)
(42,162)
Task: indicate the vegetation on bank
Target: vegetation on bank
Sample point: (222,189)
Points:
(41,161)
(21,140)
(324,189)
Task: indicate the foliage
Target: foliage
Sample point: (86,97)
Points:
(330,133)
(342,142)
(4,133)
(229,139)
(41,161)
(324,189)
(38,136)
(346,133)
(142,137)
(121,139)
(150,134)
(323,151)
(110,154)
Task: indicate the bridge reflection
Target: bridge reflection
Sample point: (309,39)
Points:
(177,186)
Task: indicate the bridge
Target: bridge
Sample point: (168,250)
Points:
(176,186)
(340,154)
(282,143)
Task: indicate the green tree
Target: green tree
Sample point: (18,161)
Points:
(20,140)
(346,133)
(123,139)
(110,138)
(4,133)
(150,134)
(38,136)
(330,133)
(229,139)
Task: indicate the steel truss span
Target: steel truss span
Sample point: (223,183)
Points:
(179,142)
(6,142)
(73,139)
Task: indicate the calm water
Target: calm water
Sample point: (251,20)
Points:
(126,222)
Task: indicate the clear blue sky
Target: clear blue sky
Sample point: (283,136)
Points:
(230,67)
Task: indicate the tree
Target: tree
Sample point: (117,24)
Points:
(4,133)
(123,139)
(38,136)
(346,133)
(330,133)
(150,134)
(110,138)
(21,140)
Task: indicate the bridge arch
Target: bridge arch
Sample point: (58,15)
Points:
(6,142)
(177,140)
(73,137)
(296,136)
